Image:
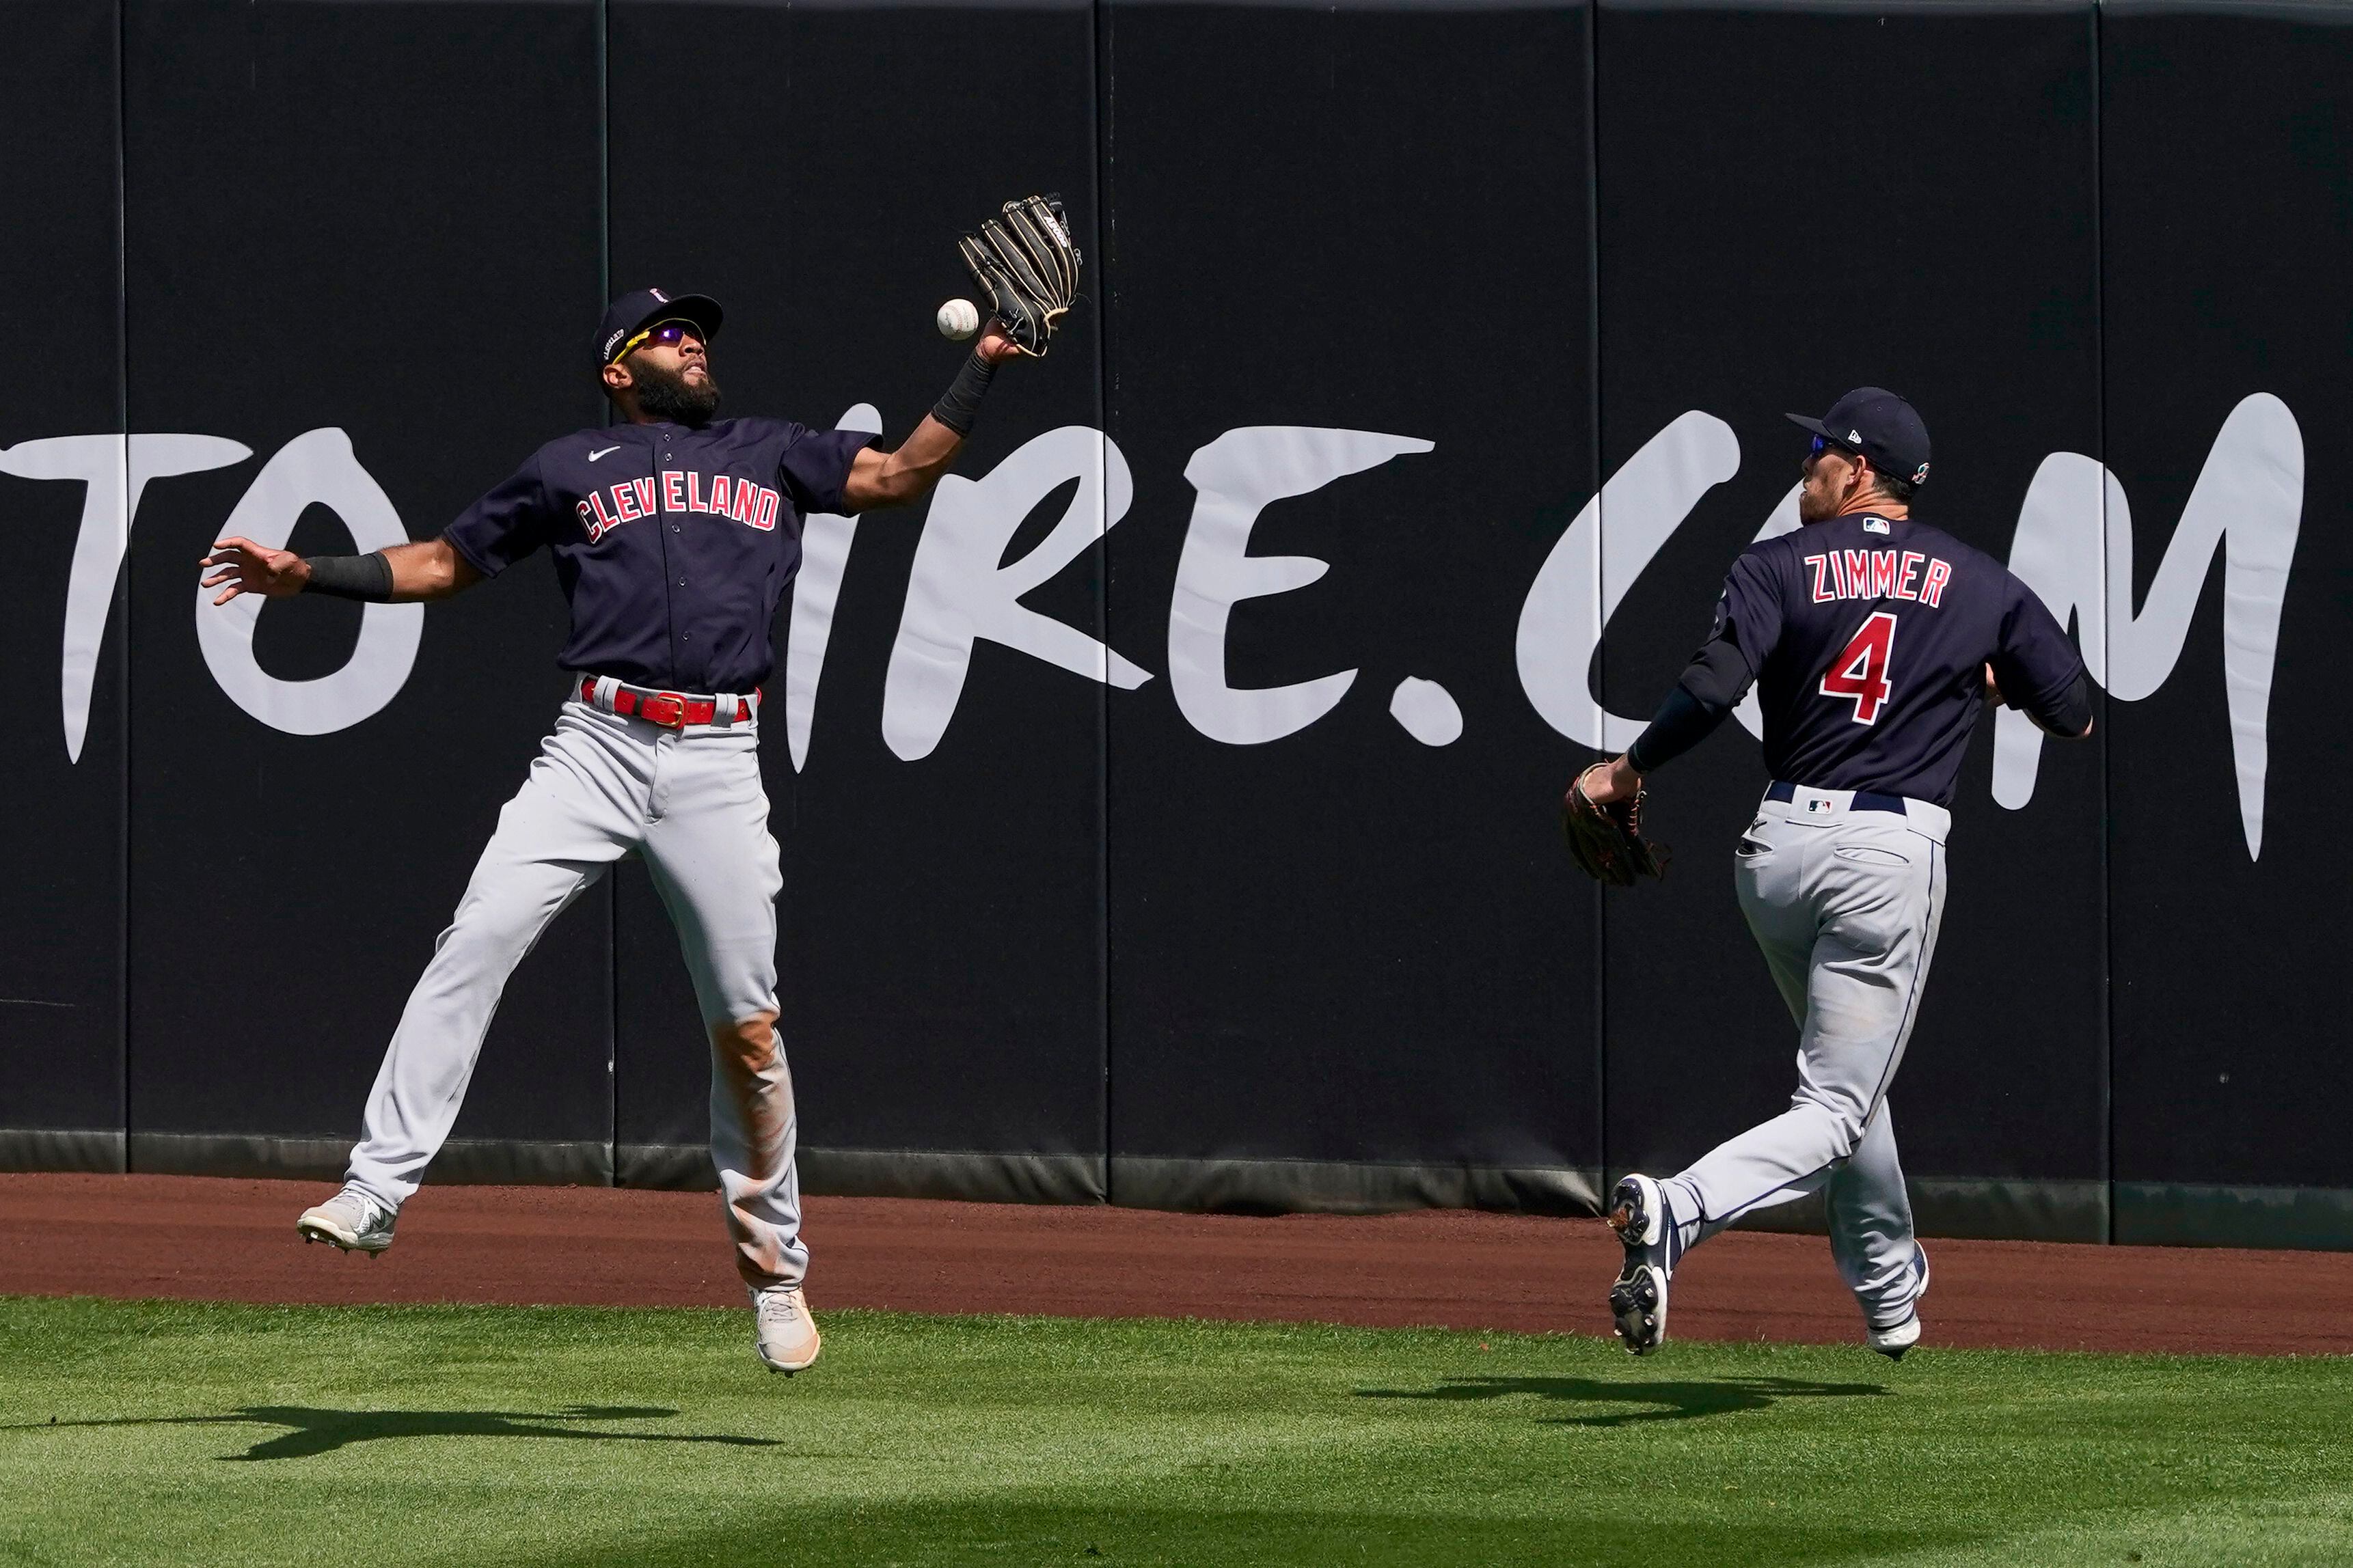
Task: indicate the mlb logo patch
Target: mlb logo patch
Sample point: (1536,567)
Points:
(1818,806)
(1873,525)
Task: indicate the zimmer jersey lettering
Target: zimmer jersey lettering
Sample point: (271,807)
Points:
(1878,574)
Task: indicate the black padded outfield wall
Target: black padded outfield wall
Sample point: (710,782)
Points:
(1348,962)
(2226,223)
(63,641)
(1167,805)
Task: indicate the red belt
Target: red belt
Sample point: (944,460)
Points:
(670,710)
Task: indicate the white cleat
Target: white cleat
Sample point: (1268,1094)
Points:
(1638,1301)
(351,1220)
(1892,1342)
(786,1334)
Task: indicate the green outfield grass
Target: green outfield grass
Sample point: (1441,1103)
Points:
(151,1432)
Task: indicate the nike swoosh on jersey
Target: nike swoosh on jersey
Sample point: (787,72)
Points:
(606,452)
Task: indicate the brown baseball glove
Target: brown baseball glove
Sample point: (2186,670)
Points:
(1607,840)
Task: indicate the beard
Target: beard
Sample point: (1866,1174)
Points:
(1817,500)
(666,394)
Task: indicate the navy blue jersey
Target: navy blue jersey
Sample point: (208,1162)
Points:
(1869,638)
(672,545)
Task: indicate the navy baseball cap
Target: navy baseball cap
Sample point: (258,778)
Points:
(643,307)
(1879,425)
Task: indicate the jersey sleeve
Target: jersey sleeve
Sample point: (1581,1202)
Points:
(815,467)
(505,525)
(1748,615)
(2036,664)
(1747,624)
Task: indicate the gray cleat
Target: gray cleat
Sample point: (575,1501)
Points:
(351,1220)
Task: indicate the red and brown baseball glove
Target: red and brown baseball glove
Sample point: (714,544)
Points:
(1607,840)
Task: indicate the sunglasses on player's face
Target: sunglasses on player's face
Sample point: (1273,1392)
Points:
(1822,444)
(661,334)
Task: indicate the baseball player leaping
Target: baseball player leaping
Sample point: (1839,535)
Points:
(674,536)
(1872,641)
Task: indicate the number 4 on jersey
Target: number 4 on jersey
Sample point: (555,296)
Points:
(1860,671)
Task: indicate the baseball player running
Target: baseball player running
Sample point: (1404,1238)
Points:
(1872,641)
(674,535)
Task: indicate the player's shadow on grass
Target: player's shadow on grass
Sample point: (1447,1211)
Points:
(1663,1401)
(315,1431)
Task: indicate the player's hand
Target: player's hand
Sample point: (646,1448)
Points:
(1992,687)
(995,344)
(1606,784)
(241,566)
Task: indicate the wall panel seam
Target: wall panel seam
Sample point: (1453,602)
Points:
(2100,425)
(1599,950)
(123,583)
(1099,129)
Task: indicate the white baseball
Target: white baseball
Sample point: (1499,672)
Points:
(959,319)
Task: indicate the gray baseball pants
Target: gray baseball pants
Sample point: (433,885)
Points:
(689,802)
(1845,904)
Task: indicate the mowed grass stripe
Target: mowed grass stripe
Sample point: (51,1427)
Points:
(213,1433)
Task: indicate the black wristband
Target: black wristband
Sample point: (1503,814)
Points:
(961,407)
(367,578)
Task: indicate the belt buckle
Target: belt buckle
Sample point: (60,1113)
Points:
(667,709)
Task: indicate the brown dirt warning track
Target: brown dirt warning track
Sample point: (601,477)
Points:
(215,1239)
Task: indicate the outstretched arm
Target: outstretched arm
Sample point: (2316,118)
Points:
(405,574)
(894,478)
(1712,686)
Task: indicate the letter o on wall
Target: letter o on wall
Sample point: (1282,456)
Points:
(317,468)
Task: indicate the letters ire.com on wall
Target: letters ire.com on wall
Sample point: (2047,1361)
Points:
(2074,543)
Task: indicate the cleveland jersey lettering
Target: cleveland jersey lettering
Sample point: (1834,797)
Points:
(1870,636)
(752,505)
(672,545)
